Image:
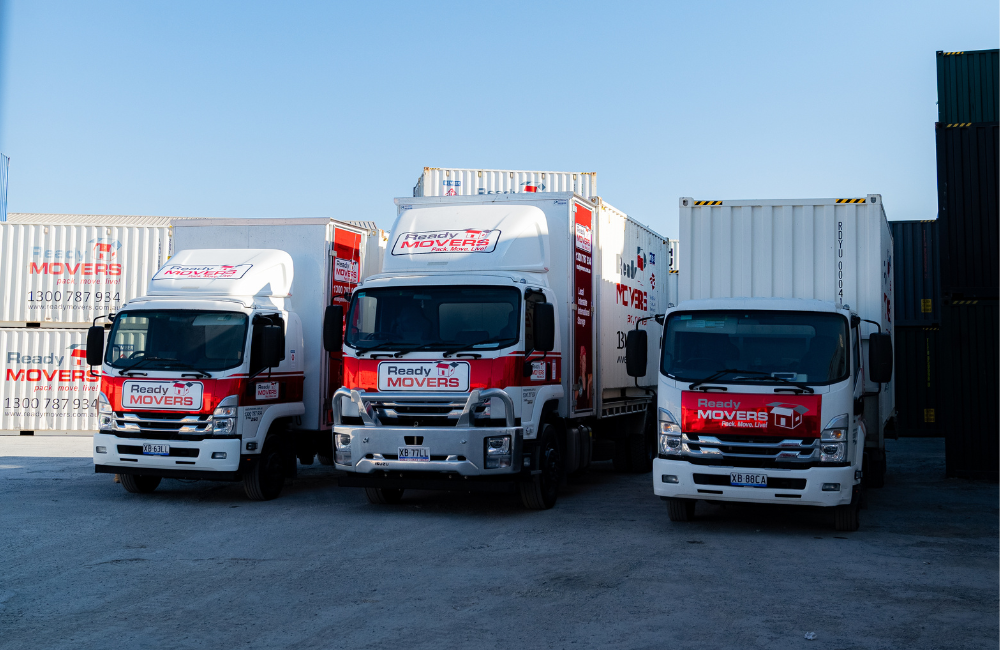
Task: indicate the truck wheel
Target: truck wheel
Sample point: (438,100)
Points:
(622,456)
(380,496)
(265,478)
(540,492)
(641,450)
(680,509)
(874,474)
(138,484)
(845,518)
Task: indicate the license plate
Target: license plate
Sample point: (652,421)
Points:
(747,480)
(414,453)
(156,450)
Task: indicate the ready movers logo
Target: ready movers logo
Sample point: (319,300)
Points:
(99,257)
(423,375)
(469,240)
(45,369)
(750,414)
(202,272)
(162,395)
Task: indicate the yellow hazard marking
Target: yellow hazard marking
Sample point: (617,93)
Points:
(851,200)
(708,202)
(957,124)
(675,271)
(965,302)
(951,53)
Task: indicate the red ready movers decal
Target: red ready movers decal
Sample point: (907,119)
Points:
(202,272)
(751,414)
(162,395)
(423,375)
(467,240)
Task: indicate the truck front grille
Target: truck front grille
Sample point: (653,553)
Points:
(161,426)
(750,451)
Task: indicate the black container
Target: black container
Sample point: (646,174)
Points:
(968,86)
(970,412)
(967,210)
(916,277)
(918,381)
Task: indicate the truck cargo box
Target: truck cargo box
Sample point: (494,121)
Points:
(64,270)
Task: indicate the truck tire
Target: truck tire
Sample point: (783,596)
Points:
(542,489)
(680,509)
(873,475)
(381,496)
(138,484)
(846,518)
(641,450)
(622,456)
(266,476)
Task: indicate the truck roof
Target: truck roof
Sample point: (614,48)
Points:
(225,272)
(770,304)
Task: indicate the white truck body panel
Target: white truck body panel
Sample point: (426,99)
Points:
(47,386)
(312,246)
(65,270)
(834,250)
(435,181)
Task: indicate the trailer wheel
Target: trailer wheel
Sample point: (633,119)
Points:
(265,478)
(541,491)
(381,496)
(139,484)
(680,509)
(846,518)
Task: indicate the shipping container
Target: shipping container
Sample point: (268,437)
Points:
(918,381)
(916,273)
(436,181)
(64,270)
(47,385)
(968,86)
(972,382)
(967,209)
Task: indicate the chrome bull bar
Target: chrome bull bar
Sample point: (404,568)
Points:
(463,404)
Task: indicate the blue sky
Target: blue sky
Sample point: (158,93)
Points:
(244,109)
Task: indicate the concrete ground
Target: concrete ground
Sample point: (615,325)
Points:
(196,565)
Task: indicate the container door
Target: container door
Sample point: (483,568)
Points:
(346,275)
(581,353)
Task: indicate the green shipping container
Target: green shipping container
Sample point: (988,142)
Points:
(968,83)
(918,377)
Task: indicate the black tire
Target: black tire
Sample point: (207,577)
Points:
(622,458)
(542,490)
(266,476)
(138,484)
(873,475)
(642,450)
(324,460)
(680,509)
(381,496)
(846,518)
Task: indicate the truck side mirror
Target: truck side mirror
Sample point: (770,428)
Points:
(95,345)
(545,327)
(333,328)
(880,358)
(274,345)
(635,353)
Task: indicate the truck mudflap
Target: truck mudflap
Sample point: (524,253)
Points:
(462,449)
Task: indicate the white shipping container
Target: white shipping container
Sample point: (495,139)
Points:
(47,385)
(65,270)
(633,284)
(436,181)
(836,250)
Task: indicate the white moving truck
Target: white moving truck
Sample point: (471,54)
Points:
(775,373)
(218,372)
(489,353)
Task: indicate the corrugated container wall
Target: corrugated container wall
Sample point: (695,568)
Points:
(968,83)
(47,385)
(916,273)
(470,182)
(970,418)
(918,381)
(66,274)
(967,209)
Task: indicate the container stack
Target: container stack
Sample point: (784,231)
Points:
(917,313)
(967,165)
(58,274)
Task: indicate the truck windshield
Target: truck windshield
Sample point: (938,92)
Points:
(177,339)
(802,347)
(477,317)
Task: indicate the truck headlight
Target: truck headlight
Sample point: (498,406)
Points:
(342,448)
(105,416)
(832,452)
(497,452)
(670,433)
(833,439)
(224,416)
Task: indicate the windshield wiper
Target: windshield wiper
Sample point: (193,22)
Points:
(170,362)
(140,362)
(385,345)
(758,375)
(472,346)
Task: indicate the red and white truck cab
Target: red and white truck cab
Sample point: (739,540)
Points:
(775,374)
(196,373)
(488,354)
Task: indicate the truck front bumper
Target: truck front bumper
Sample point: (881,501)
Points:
(689,486)
(200,457)
(457,450)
